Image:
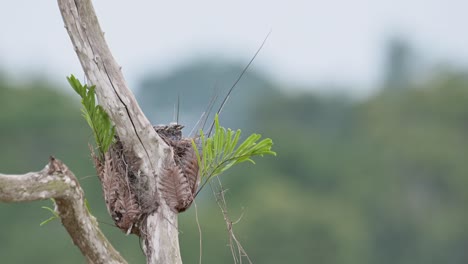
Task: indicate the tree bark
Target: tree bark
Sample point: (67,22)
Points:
(133,128)
(58,182)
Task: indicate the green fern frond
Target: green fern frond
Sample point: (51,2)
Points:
(220,151)
(94,115)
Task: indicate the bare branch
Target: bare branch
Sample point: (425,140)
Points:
(58,182)
(133,128)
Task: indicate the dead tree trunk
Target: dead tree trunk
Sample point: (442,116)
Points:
(137,135)
(162,163)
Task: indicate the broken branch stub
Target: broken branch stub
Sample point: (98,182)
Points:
(58,182)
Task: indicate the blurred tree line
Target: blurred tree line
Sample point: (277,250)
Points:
(379,180)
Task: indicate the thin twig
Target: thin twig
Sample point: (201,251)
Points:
(199,230)
(178,108)
(204,116)
(237,251)
(89,176)
(238,79)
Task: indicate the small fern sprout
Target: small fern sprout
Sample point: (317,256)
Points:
(52,211)
(95,115)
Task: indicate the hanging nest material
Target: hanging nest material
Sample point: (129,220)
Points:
(126,193)
(179,181)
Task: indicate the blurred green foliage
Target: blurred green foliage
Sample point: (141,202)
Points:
(380,180)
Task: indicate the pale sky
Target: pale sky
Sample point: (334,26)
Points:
(312,42)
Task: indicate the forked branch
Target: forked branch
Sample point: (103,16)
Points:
(135,132)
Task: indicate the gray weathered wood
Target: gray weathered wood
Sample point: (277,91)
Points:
(132,126)
(58,182)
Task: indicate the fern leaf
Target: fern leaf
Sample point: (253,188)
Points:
(96,117)
(221,151)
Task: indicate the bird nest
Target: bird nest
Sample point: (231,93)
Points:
(128,196)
